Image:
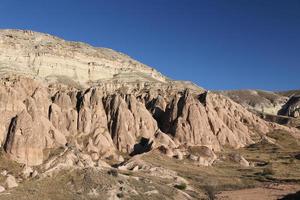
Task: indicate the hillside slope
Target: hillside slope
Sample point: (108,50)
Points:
(69,107)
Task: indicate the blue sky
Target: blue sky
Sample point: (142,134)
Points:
(218,44)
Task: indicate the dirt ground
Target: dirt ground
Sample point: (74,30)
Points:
(268,192)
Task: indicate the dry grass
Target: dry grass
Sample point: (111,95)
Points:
(10,166)
(271,162)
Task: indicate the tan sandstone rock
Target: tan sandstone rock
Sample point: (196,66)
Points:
(91,103)
(239,159)
(11,182)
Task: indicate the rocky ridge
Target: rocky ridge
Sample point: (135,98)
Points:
(67,107)
(51,58)
(111,111)
(279,107)
(100,124)
(258,100)
(292,107)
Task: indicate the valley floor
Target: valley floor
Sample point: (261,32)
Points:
(274,173)
(268,192)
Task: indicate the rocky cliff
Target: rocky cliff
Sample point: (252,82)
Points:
(292,107)
(49,57)
(99,104)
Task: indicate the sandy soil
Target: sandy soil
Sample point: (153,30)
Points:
(268,192)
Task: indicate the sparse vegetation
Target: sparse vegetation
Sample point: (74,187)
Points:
(270,164)
(181,186)
(8,165)
(112,103)
(113,172)
(120,195)
(127,173)
(268,171)
(210,191)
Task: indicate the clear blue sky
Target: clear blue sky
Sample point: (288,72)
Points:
(224,44)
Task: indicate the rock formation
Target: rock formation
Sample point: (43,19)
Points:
(96,104)
(292,107)
(259,100)
(279,107)
(49,57)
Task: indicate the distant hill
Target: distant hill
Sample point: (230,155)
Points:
(259,100)
(289,93)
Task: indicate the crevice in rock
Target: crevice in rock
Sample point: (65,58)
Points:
(10,134)
(203,98)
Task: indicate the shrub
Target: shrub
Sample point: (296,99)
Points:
(120,195)
(113,172)
(210,192)
(268,171)
(181,186)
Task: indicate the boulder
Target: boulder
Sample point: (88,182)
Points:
(267,139)
(103,164)
(202,154)
(136,163)
(27,172)
(235,157)
(11,182)
(178,154)
(166,151)
(193,157)
(34,174)
(4,173)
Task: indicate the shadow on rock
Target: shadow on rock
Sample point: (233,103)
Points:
(293,196)
(143,146)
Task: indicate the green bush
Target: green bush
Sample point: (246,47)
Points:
(181,186)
